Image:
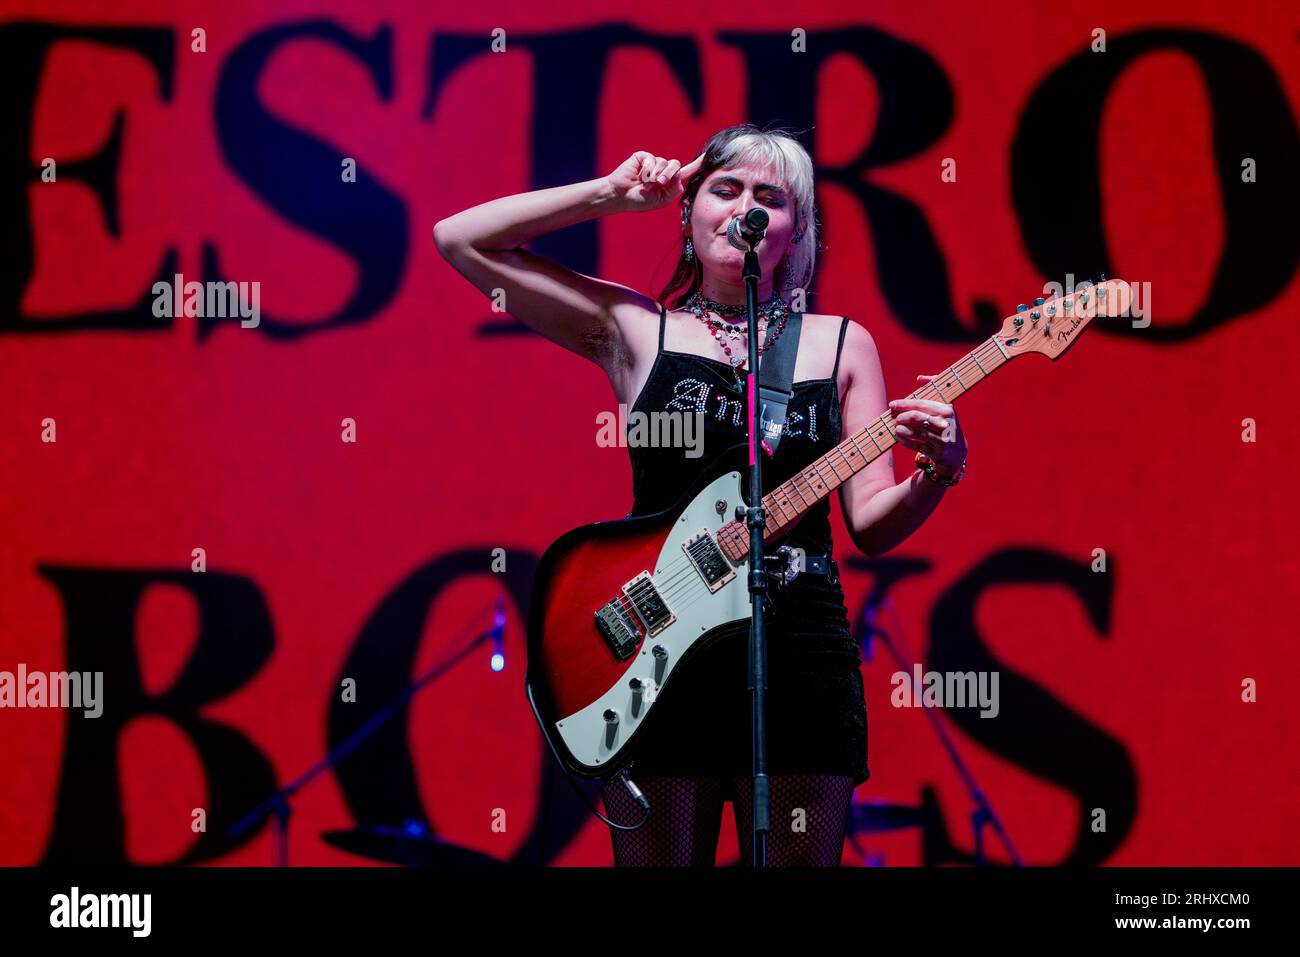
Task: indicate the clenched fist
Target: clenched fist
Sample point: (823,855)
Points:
(645,181)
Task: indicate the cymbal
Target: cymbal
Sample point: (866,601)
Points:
(412,846)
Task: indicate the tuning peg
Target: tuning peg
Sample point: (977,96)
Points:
(1022,307)
(1084,285)
(1039,301)
(1103,278)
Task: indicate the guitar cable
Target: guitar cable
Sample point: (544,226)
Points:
(637,794)
(622,775)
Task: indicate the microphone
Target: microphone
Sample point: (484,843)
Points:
(746,232)
(498,636)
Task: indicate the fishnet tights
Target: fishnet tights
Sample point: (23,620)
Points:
(808,815)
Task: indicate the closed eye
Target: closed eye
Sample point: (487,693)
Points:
(727,194)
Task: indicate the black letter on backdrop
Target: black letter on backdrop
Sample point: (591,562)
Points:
(1056,178)
(916,108)
(299,176)
(378,778)
(24,48)
(1033,729)
(234,641)
(569,78)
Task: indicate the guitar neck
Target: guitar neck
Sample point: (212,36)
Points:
(787,503)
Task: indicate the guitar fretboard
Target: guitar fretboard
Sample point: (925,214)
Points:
(787,503)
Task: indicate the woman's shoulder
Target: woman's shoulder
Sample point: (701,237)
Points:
(824,329)
(813,319)
(848,356)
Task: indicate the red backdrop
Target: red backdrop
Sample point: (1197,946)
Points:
(329,560)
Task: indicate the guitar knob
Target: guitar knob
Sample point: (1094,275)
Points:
(636,684)
(611,727)
(661,662)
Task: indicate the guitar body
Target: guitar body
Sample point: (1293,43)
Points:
(617,607)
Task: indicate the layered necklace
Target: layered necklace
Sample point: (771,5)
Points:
(774,311)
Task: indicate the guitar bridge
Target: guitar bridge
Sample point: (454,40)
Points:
(706,557)
(619,629)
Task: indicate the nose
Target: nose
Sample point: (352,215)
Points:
(741,205)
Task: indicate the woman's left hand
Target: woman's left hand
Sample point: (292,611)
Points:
(932,428)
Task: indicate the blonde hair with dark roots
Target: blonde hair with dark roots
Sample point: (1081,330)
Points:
(775,150)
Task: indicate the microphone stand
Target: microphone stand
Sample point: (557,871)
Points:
(755,224)
(278,804)
(982,813)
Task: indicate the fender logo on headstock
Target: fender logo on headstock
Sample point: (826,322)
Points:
(1067,333)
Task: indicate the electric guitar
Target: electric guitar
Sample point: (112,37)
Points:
(618,607)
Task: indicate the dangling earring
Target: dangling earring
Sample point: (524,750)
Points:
(686,218)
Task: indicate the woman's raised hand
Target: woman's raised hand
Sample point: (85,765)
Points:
(645,181)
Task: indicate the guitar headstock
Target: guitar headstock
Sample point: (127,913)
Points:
(1051,326)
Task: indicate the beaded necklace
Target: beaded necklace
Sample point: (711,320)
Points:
(775,308)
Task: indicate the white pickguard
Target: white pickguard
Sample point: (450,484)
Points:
(591,739)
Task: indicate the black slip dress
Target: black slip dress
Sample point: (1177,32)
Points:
(816,710)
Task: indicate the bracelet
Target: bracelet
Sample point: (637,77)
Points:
(931,470)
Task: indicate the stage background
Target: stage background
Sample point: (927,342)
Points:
(372,560)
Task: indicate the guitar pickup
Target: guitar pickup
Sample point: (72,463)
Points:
(706,557)
(648,604)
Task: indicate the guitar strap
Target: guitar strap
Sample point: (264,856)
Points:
(775,378)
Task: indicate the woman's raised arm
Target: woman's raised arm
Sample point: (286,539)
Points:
(579,312)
